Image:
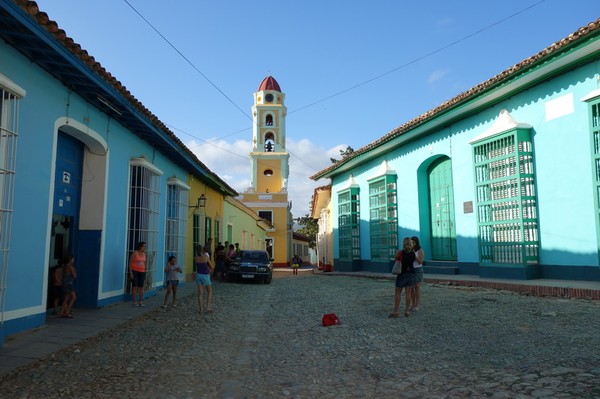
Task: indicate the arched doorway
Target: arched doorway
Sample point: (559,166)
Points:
(78,206)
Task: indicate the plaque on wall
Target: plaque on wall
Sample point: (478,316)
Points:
(468,207)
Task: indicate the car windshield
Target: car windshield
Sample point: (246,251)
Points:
(250,256)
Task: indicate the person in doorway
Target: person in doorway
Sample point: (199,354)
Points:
(137,273)
(57,291)
(204,266)
(406,278)
(69,274)
(172,269)
(296,261)
(418,265)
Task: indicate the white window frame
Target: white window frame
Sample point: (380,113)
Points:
(143,214)
(10,94)
(176,220)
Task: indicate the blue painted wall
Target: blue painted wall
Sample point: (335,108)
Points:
(46,102)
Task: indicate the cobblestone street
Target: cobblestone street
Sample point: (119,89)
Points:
(266,341)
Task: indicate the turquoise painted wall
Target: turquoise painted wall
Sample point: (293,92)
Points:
(568,235)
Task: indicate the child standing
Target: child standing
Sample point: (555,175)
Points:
(172,269)
(69,274)
(296,264)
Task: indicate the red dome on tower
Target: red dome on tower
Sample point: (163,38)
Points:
(269,83)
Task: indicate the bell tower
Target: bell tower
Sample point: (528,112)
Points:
(269,158)
(269,170)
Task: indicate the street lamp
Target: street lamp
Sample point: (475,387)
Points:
(201,202)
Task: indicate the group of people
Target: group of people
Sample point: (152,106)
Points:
(205,266)
(224,254)
(137,276)
(411,275)
(64,276)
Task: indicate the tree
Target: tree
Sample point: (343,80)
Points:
(344,153)
(310,229)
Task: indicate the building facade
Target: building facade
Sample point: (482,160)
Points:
(501,181)
(93,174)
(321,211)
(269,168)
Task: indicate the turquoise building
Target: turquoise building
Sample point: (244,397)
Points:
(501,181)
(85,169)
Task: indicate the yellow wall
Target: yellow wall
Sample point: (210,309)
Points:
(213,209)
(271,184)
(277,203)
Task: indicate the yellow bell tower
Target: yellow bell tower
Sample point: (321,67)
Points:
(269,161)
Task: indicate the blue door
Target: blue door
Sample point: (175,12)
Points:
(67,238)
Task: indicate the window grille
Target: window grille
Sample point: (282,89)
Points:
(349,224)
(506,199)
(199,238)
(217,232)
(208,231)
(9,113)
(595,130)
(383,220)
(176,222)
(144,196)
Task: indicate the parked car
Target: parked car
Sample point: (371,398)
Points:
(251,265)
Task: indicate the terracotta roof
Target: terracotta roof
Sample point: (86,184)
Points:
(479,89)
(31,8)
(269,83)
(300,237)
(316,196)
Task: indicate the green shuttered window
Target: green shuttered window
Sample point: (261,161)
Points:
(349,224)
(595,132)
(383,218)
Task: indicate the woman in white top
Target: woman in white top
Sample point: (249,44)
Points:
(418,265)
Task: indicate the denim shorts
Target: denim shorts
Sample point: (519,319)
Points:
(419,274)
(203,279)
(406,280)
(172,283)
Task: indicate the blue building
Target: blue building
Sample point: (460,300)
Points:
(85,169)
(501,181)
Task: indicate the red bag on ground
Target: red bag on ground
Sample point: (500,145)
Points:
(330,319)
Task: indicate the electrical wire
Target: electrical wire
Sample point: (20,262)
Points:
(339,93)
(188,61)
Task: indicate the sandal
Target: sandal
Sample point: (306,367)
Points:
(406,314)
(393,315)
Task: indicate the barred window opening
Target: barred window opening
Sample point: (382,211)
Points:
(176,224)
(144,196)
(383,220)
(9,113)
(506,200)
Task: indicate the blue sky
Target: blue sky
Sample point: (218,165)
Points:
(351,70)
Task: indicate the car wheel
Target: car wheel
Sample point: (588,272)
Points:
(268,280)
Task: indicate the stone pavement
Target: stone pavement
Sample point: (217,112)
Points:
(57,334)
